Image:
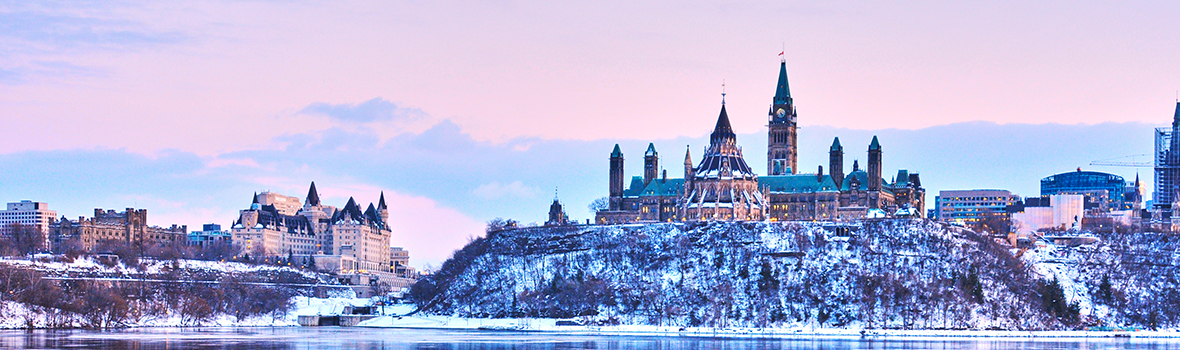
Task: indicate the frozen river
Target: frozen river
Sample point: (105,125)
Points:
(366,338)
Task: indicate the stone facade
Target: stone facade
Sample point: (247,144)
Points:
(342,240)
(129,226)
(723,187)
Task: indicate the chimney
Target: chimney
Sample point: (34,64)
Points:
(819,175)
(665,176)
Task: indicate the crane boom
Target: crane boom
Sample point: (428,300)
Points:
(1126,164)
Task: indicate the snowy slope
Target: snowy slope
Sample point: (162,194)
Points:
(894,274)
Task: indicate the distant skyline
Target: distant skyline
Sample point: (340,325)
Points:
(462,112)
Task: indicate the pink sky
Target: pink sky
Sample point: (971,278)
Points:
(232,75)
(215,77)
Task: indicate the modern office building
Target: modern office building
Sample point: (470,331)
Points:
(970,206)
(28,213)
(1103,191)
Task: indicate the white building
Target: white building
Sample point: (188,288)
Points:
(1063,211)
(28,213)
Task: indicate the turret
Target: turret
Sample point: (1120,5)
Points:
(313,197)
(836,161)
(651,164)
(616,179)
(874,165)
(382,209)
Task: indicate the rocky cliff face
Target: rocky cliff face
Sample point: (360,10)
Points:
(905,273)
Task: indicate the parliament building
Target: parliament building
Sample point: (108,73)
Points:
(723,187)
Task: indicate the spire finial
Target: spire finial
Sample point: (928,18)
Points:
(722,92)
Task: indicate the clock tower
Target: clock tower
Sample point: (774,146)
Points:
(781,150)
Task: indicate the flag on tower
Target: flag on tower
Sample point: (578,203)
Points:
(781,53)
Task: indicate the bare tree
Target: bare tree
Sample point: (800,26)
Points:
(23,239)
(598,205)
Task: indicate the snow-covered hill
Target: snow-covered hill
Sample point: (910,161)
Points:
(907,274)
(95,293)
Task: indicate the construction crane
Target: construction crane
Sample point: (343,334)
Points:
(1127,161)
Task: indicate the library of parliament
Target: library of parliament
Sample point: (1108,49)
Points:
(723,187)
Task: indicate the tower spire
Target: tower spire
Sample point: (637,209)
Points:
(722,92)
(1176,117)
(782,94)
(313,196)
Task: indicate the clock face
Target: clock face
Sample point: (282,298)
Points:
(781,112)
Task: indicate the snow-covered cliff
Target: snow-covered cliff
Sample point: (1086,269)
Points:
(905,273)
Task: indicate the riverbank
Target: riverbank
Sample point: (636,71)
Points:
(560,326)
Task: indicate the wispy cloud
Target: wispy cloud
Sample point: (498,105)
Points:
(495,190)
(65,31)
(437,185)
(45,39)
(374,110)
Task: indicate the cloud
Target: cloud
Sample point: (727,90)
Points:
(50,30)
(40,39)
(374,110)
(445,184)
(430,232)
(495,190)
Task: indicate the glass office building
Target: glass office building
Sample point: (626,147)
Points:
(1102,190)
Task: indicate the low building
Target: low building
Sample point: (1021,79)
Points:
(399,262)
(972,206)
(209,234)
(1055,212)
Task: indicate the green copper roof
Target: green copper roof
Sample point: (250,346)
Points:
(862,179)
(661,187)
(902,179)
(651,149)
(836,145)
(782,95)
(798,183)
(636,187)
(875,145)
(617,152)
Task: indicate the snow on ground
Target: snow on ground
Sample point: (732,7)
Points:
(550,325)
(1054,261)
(87,264)
(13,315)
